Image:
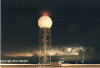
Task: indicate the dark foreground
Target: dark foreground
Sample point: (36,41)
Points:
(48,66)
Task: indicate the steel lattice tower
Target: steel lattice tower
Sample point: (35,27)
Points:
(45,44)
(45,24)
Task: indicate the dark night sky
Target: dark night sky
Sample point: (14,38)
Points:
(74,22)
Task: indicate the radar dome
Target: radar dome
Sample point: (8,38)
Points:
(44,22)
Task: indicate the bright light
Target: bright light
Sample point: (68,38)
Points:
(69,49)
(45,13)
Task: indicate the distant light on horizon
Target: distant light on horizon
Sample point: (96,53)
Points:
(19,54)
(69,49)
(54,52)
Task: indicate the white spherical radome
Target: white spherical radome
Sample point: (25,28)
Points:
(44,22)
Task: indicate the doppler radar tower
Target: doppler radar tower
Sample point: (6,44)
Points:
(45,23)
